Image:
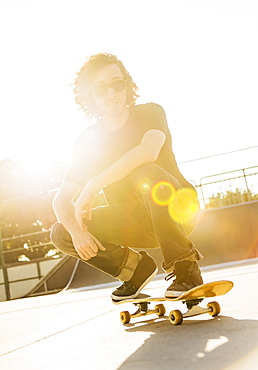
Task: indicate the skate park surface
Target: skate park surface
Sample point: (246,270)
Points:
(80,329)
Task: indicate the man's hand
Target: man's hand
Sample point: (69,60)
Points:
(85,203)
(86,245)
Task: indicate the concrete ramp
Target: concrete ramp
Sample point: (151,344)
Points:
(84,275)
(70,273)
(78,330)
(56,279)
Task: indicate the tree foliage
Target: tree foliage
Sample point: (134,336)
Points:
(230,198)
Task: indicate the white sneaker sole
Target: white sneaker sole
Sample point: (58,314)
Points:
(174,293)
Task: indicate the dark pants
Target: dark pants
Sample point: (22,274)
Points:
(140,223)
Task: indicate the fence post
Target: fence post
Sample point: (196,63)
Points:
(5,274)
(247,188)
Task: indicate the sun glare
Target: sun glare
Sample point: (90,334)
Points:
(35,167)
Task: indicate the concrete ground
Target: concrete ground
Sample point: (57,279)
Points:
(82,330)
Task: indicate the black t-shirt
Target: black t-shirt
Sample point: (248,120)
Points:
(98,148)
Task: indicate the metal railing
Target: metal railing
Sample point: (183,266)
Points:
(7,281)
(228,188)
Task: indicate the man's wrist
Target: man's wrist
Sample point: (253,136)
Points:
(75,228)
(96,183)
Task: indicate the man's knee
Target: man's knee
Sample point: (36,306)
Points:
(58,235)
(146,173)
(145,169)
(145,176)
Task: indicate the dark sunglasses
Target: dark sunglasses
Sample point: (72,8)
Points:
(102,89)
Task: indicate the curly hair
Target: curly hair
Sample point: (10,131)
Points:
(82,86)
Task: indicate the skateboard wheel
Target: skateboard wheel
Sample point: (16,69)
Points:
(160,309)
(125,317)
(176,317)
(215,308)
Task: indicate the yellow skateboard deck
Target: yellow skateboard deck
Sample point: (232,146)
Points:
(191,298)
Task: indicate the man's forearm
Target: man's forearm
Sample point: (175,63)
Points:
(64,211)
(146,152)
(123,167)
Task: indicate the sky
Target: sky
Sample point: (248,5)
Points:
(196,58)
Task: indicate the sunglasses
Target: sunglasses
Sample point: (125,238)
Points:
(102,89)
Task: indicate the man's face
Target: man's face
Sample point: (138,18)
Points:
(109,91)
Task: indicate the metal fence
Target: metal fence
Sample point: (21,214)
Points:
(20,245)
(228,188)
(21,262)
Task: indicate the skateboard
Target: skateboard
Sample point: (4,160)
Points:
(191,298)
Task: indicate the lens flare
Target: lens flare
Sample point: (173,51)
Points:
(184,207)
(163,193)
(143,185)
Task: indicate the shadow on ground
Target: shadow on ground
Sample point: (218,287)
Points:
(196,344)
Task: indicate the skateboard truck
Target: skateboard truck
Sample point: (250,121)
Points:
(191,303)
(142,310)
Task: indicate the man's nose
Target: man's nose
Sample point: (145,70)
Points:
(110,91)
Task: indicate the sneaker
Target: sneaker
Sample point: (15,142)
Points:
(187,276)
(143,274)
